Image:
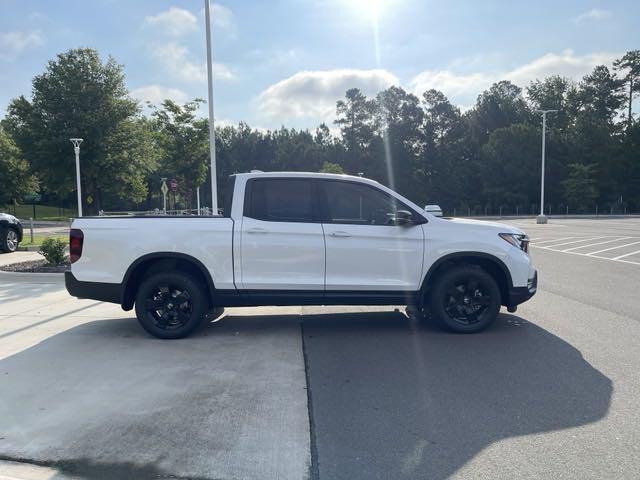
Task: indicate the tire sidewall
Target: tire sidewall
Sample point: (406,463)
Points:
(4,237)
(188,283)
(438,293)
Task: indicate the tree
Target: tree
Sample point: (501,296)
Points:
(184,142)
(80,96)
(630,63)
(17,179)
(580,187)
(328,167)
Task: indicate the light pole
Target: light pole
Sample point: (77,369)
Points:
(541,218)
(212,132)
(76,148)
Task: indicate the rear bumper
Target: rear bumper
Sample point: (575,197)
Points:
(518,295)
(104,292)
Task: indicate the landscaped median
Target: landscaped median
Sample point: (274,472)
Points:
(51,257)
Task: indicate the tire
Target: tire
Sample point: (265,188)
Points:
(8,240)
(465,299)
(170,305)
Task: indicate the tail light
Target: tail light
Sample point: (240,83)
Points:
(76,239)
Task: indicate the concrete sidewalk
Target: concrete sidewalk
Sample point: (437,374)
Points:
(86,392)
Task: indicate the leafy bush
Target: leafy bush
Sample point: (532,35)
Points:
(52,249)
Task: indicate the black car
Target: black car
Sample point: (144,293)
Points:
(10,233)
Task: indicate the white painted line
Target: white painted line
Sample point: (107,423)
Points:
(626,255)
(612,248)
(555,240)
(575,241)
(594,244)
(588,255)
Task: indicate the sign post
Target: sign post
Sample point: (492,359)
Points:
(164,191)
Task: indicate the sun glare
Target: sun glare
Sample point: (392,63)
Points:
(370,9)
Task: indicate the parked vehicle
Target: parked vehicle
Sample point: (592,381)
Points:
(10,233)
(434,210)
(301,239)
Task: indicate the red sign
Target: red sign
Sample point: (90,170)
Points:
(173,185)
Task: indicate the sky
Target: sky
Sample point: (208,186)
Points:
(287,62)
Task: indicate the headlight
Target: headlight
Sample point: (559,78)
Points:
(520,241)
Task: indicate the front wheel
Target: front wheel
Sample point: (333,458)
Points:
(170,305)
(8,240)
(465,299)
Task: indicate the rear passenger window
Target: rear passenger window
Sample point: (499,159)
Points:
(280,200)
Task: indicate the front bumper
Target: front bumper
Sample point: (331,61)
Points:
(518,295)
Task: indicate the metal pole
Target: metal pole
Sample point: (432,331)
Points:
(198,199)
(212,132)
(541,218)
(544,131)
(76,148)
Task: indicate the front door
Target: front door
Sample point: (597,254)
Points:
(366,249)
(281,241)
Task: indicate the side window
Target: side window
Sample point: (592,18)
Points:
(280,200)
(358,204)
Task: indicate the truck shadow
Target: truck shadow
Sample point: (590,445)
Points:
(394,399)
(389,398)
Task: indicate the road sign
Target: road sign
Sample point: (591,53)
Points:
(164,188)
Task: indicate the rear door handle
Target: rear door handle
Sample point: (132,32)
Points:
(257,230)
(340,233)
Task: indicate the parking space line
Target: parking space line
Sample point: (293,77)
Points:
(617,239)
(612,248)
(555,240)
(588,255)
(575,241)
(627,255)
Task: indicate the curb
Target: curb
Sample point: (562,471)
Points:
(31,277)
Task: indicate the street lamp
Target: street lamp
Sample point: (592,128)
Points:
(212,132)
(541,218)
(76,148)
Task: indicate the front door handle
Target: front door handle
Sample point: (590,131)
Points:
(257,230)
(340,233)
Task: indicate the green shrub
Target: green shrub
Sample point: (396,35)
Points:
(52,249)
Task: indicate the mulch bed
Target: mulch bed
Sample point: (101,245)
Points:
(36,266)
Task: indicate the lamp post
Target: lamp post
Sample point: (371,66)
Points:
(542,218)
(212,132)
(76,148)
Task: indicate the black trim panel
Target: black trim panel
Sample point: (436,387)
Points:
(256,298)
(518,295)
(104,292)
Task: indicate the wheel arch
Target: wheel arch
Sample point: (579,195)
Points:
(490,263)
(162,261)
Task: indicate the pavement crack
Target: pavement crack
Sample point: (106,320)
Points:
(314,472)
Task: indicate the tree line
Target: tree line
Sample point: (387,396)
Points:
(484,159)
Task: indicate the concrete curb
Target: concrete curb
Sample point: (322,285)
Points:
(30,277)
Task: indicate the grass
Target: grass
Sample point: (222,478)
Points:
(43,212)
(38,238)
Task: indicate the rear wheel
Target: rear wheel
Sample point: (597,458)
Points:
(465,299)
(170,305)
(8,240)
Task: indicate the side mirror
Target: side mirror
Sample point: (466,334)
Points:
(404,217)
(434,210)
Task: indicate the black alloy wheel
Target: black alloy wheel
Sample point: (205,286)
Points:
(170,305)
(465,299)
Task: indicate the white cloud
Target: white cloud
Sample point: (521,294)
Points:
(14,43)
(593,15)
(313,94)
(176,60)
(156,94)
(174,22)
(221,16)
(463,88)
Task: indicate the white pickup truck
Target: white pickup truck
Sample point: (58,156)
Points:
(301,239)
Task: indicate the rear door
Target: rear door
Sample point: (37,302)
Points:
(281,241)
(365,248)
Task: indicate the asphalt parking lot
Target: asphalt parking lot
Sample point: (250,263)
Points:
(551,391)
